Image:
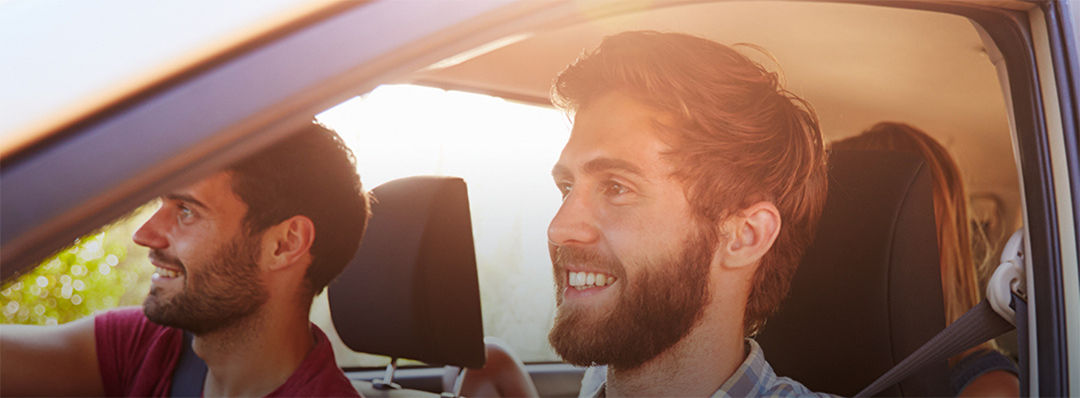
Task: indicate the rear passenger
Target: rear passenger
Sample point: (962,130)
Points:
(983,370)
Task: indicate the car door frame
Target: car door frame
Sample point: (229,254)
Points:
(191,136)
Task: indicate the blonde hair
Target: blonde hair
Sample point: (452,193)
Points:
(959,278)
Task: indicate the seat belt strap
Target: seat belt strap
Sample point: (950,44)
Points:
(979,324)
(1019,305)
(187,380)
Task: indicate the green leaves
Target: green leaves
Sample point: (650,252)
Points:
(98,271)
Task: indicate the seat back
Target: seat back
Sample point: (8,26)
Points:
(868,291)
(411,291)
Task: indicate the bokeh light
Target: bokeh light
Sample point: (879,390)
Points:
(97,272)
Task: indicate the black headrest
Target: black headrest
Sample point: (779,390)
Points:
(868,291)
(412,291)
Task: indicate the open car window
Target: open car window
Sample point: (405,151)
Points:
(97,272)
(504,151)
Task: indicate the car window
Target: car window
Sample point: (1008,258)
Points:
(504,151)
(101,270)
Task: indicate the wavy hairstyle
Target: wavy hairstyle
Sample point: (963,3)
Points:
(739,138)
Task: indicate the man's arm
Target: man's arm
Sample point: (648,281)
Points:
(50,360)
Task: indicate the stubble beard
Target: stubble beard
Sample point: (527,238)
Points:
(652,312)
(226,292)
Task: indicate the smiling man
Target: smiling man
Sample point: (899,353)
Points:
(691,185)
(239,256)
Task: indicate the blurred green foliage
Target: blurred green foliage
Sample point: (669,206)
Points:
(98,271)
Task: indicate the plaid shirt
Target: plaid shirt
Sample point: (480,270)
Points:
(754,378)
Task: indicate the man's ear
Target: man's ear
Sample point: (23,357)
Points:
(288,242)
(751,234)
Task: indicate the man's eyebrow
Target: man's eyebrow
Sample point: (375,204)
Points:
(609,164)
(186,198)
(559,170)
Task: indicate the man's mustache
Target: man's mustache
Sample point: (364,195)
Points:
(161,257)
(584,258)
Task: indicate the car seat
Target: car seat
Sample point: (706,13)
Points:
(868,291)
(411,291)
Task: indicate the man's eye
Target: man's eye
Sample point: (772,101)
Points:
(614,188)
(186,213)
(564,189)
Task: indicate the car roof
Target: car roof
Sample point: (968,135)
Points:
(74,69)
(284,61)
(857,65)
(83,55)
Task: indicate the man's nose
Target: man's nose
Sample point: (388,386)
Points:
(574,223)
(150,234)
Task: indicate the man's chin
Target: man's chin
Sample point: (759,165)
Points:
(578,334)
(570,344)
(153,309)
(159,309)
(602,340)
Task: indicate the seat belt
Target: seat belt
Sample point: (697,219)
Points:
(1022,343)
(992,317)
(190,373)
(976,326)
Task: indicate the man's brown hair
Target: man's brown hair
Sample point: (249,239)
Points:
(739,138)
(310,173)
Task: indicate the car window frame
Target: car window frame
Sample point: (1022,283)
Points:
(38,220)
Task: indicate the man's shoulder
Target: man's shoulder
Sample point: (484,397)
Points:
(757,378)
(122,315)
(765,383)
(128,325)
(786,387)
(318,375)
(323,379)
(329,382)
(135,354)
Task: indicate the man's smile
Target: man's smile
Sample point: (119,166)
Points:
(167,273)
(589,285)
(164,276)
(166,267)
(586,280)
(584,273)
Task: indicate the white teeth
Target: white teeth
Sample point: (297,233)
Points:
(585,280)
(168,273)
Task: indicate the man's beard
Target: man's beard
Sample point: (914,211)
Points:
(651,314)
(222,293)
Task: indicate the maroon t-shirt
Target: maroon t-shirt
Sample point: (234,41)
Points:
(137,359)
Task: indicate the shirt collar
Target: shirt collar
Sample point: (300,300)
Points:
(751,376)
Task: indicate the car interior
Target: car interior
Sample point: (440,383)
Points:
(411,291)
(858,65)
(446,106)
(867,293)
(868,290)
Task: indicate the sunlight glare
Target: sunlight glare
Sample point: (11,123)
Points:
(504,151)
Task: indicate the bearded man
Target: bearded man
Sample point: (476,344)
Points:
(691,185)
(239,256)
